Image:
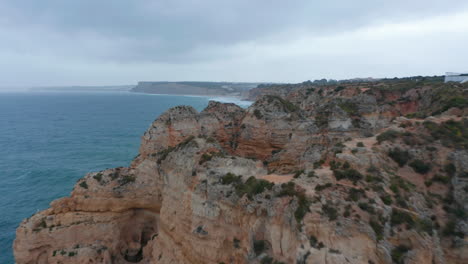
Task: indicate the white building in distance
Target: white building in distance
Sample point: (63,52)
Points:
(456,77)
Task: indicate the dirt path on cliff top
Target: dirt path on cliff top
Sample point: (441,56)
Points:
(275,178)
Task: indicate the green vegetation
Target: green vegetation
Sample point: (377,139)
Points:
(360,145)
(298,173)
(457,101)
(231,178)
(251,187)
(399,156)
(441,179)
(259,246)
(356,194)
(450,169)
(84,185)
(318,164)
(320,187)
(397,182)
(378,229)
(399,217)
(287,105)
(163,153)
(398,254)
(366,207)
(289,189)
(205,157)
(330,211)
(386,199)
(388,135)
(236,243)
(258,114)
(321,119)
(420,167)
(127,179)
(450,229)
(98,177)
(350,174)
(349,107)
(451,133)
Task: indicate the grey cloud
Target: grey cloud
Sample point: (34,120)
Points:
(175,31)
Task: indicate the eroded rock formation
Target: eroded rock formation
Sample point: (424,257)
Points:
(304,175)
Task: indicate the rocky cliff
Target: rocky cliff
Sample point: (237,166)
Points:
(195,88)
(348,174)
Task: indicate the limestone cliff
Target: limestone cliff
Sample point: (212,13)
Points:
(304,175)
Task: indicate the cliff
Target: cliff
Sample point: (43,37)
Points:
(304,175)
(195,88)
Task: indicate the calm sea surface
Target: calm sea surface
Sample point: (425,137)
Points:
(50,140)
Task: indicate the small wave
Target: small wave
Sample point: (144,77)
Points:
(234,100)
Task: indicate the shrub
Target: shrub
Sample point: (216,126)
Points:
(399,156)
(388,135)
(330,212)
(252,187)
(287,105)
(84,185)
(355,194)
(231,178)
(378,229)
(450,169)
(298,173)
(450,229)
(441,179)
(127,179)
(98,177)
(302,208)
(386,199)
(288,189)
(451,133)
(420,167)
(320,187)
(205,157)
(350,174)
(399,217)
(366,207)
(258,114)
(360,145)
(163,154)
(259,246)
(236,243)
(313,241)
(311,174)
(398,254)
(318,164)
(350,108)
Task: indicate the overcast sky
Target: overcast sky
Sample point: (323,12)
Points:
(97,42)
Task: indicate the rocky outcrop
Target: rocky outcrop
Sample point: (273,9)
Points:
(304,177)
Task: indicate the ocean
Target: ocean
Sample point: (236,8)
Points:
(48,140)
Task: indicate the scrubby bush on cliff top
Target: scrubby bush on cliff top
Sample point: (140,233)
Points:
(420,167)
(251,187)
(451,133)
(388,135)
(399,156)
(286,105)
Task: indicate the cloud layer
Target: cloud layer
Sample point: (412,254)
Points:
(56,42)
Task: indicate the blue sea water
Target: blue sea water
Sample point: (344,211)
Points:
(49,140)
